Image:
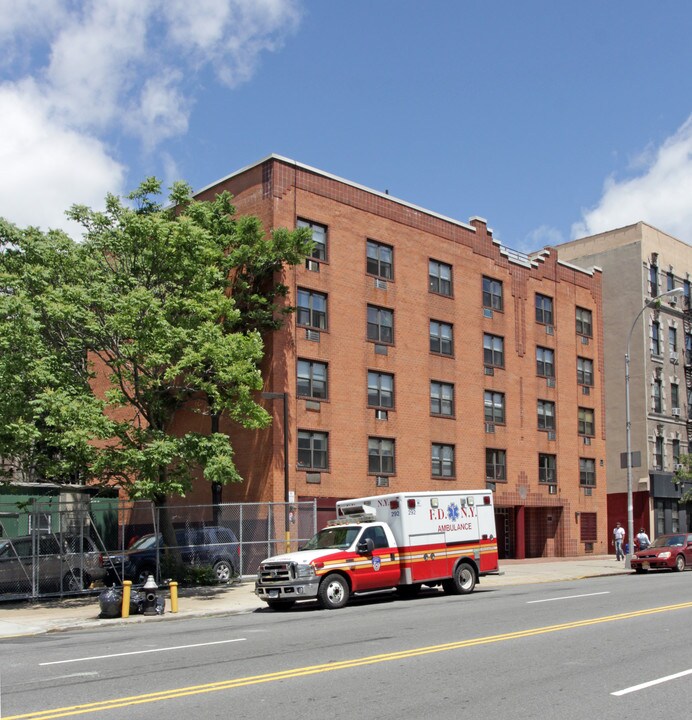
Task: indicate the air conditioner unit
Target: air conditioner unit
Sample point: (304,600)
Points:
(674,358)
(551,434)
(313,335)
(584,340)
(490,427)
(489,370)
(678,466)
(312,265)
(586,390)
(381,414)
(487,312)
(382,481)
(380,284)
(550,382)
(587,441)
(549,329)
(588,491)
(552,489)
(675,412)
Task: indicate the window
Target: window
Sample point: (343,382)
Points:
(547,469)
(544,309)
(380,325)
(312,309)
(670,281)
(441,398)
(312,450)
(312,379)
(379,262)
(546,415)
(440,277)
(653,280)
(493,351)
(441,338)
(586,422)
(676,453)
(658,453)
(587,472)
(686,287)
(584,371)
(584,322)
(494,407)
(675,395)
(672,340)
(380,456)
(319,238)
(545,362)
(377,534)
(380,389)
(443,461)
(655,338)
(495,465)
(656,392)
(492,294)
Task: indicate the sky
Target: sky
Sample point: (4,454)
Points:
(551,120)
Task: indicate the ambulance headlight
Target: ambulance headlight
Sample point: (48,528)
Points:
(303,571)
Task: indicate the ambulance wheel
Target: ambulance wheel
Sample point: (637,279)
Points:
(408,591)
(463,581)
(333,592)
(281,605)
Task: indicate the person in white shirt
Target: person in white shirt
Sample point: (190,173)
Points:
(618,537)
(643,541)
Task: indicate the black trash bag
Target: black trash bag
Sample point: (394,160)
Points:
(111,602)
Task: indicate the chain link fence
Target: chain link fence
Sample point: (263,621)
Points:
(50,547)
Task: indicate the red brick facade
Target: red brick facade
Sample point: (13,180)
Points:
(533,519)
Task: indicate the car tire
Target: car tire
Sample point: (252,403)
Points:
(333,592)
(224,571)
(143,573)
(75,581)
(679,563)
(281,605)
(462,582)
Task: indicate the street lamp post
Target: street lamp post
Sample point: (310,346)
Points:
(628,424)
(283,396)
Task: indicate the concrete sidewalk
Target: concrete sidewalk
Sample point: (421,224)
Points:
(33,618)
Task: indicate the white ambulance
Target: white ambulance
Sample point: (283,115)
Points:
(399,540)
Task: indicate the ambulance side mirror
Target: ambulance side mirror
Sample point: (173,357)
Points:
(366,547)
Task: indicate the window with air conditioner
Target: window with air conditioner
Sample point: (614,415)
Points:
(319,239)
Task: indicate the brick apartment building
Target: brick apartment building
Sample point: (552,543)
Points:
(422,356)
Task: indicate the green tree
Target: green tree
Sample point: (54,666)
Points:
(169,304)
(683,476)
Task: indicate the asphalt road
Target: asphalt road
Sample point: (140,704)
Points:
(611,647)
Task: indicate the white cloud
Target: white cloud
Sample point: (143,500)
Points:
(659,195)
(541,236)
(46,166)
(105,69)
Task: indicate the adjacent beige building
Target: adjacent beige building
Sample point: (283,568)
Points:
(640,262)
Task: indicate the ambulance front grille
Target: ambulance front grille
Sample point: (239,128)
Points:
(276,572)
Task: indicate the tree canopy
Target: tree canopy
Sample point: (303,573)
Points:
(168,305)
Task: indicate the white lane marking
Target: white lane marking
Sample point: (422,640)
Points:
(634,688)
(141,652)
(568,597)
(71,675)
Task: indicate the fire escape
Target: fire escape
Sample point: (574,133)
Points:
(687,324)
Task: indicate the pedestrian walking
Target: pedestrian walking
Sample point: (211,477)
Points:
(618,538)
(643,541)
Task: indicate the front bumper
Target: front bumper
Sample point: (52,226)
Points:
(297,590)
(653,563)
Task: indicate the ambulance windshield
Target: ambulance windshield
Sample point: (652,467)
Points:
(339,537)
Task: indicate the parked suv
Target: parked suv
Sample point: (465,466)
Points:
(214,546)
(67,563)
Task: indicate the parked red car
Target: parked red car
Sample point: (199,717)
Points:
(671,552)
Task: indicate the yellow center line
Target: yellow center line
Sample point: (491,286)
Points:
(74,710)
